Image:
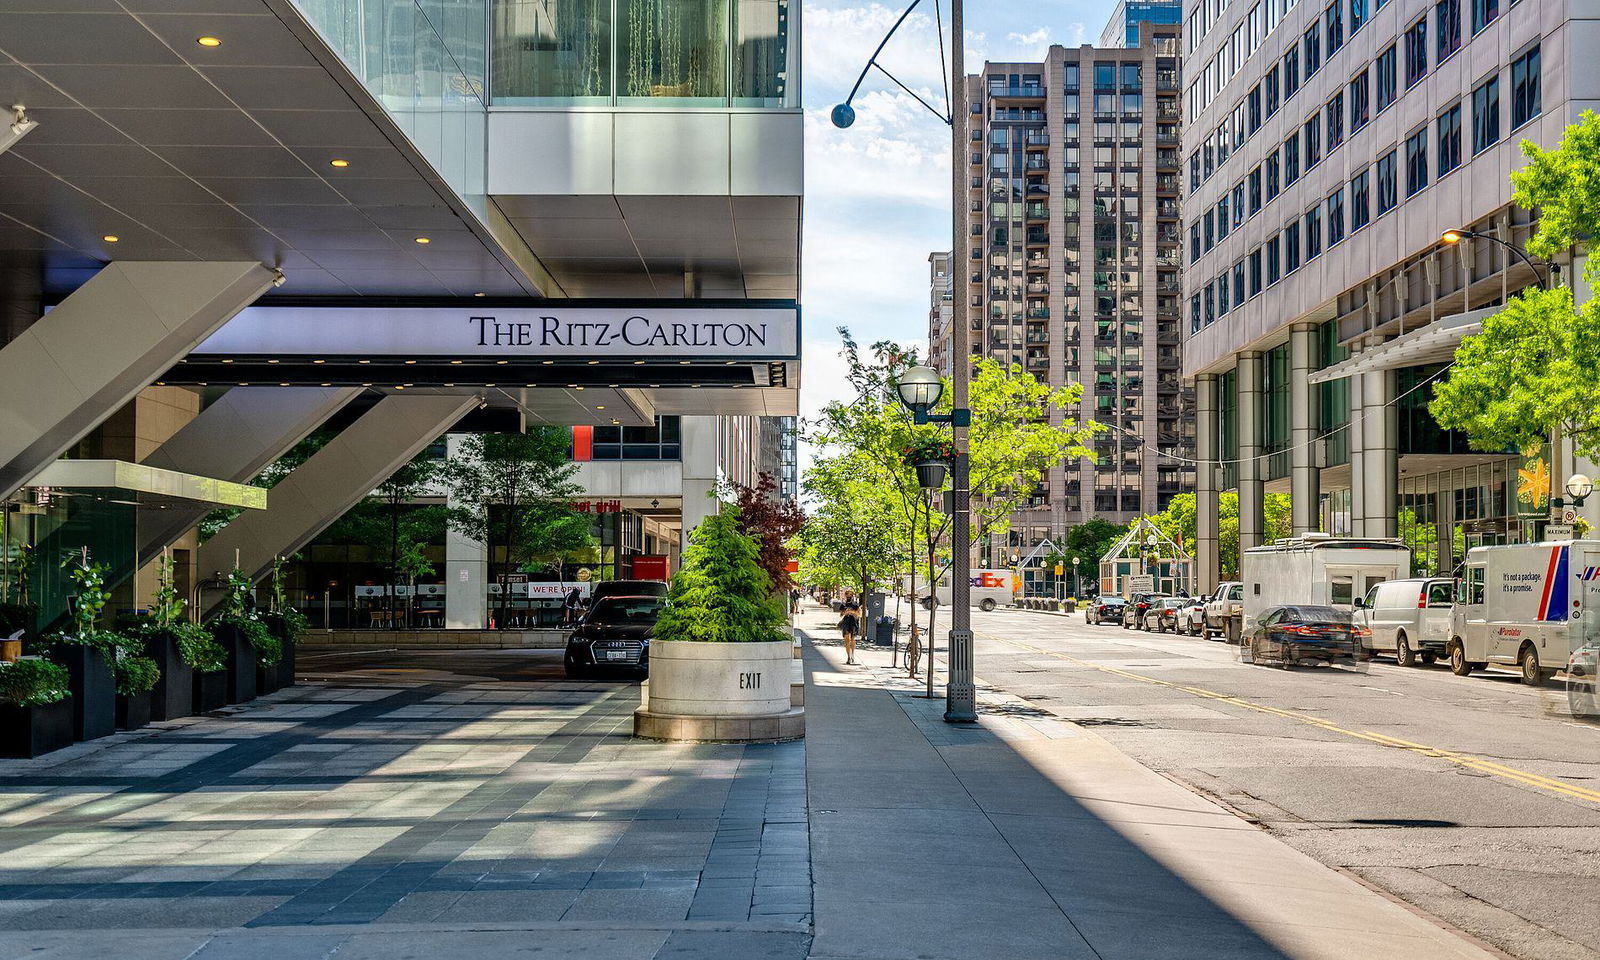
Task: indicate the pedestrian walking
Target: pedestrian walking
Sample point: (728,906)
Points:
(570,607)
(850,625)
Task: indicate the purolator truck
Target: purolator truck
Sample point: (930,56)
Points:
(1527,605)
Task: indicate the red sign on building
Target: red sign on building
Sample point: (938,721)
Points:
(650,567)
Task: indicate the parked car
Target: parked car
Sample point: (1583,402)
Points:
(614,637)
(1297,634)
(1137,612)
(1409,618)
(1105,609)
(1582,668)
(1166,613)
(1224,606)
(1192,617)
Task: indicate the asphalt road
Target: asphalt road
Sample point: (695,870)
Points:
(1475,798)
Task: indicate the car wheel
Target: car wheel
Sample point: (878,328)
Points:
(1205,630)
(1458,658)
(1256,653)
(1528,659)
(1403,654)
(987,605)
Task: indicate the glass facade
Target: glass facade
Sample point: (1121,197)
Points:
(698,53)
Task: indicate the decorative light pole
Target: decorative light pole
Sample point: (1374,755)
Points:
(1456,236)
(1076,586)
(1579,486)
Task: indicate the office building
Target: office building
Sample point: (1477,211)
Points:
(1327,147)
(1122,29)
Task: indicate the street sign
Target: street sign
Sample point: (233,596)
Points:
(1060,569)
(1141,583)
(1558,531)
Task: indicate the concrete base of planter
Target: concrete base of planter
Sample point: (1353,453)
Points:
(789,725)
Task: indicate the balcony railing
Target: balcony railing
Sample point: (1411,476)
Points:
(1037,141)
(1031,93)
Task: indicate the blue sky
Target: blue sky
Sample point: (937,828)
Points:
(878,194)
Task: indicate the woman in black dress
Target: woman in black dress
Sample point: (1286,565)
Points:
(850,625)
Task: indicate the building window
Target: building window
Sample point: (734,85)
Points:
(1447,24)
(1388,87)
(1254,180)
(1416,52)
(1194,242)
(1274,89)
(1360,200)
(1105,76)
(1222,295)
(1211,304)
(1253,103)
(1333,25)
(1222,217)
(1194,313)
(1291,72)
(1449,139)
(1387,194)
(1255,271)
(1069,77)
(1333,116)
(1486,115)
(1360,100)
(1238,203)
(1483,13)
(1274,259)
(1525,103)
(1291,247)
(1274,175)
(1291,161)
(1335,217)
(1313,225)
(1416,162)
(1358,14)
(1238,283)
(1311,136)
(1311,47)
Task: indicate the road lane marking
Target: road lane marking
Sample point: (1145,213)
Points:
(1466,760)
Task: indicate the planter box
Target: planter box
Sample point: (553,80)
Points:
(94,691)
(692,679)
(267,678)
(241,663)
(210,691)
(133,712)
(29,732)
(173,696)
(286,661)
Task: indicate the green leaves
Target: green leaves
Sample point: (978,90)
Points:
(32,682)
(721,594)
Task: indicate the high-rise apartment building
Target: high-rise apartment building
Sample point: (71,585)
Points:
(1122,30)
(1072,263)
(939,310)
(1328,145)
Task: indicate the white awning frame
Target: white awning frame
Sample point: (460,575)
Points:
(1434,343)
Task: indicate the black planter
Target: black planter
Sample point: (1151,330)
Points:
(209,691)
(94,690)
(32,731)
(133,712)
(267,678)
(241,663)
(286,659)
(173,696)
(930,473)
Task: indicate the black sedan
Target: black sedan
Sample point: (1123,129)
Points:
(614,637)
(1106,609)
(1296,634)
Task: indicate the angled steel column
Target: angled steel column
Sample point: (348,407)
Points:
(82,361)
(320,490)
(1208,560)
(1252,525)
(233,439)
(1305,485)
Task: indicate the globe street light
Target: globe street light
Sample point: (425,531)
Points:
(1075,585)
(1579,486)
(920,389)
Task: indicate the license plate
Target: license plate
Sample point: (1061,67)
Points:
(616,655)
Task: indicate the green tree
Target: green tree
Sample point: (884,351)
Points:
(1179,522)
(721,594)
(1535,368)
(390,516)
(854,536)
(513,492)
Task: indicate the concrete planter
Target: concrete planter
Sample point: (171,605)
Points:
(719,691)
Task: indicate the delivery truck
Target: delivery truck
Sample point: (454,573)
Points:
(1528,605)
(1318,570)
(990,589)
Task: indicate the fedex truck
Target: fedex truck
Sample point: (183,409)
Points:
(990,589)
(1318,570)
(1527,605)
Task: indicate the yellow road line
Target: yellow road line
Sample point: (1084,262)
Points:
(1466,760)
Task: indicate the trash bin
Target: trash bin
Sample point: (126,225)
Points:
(875,606)
(883,631)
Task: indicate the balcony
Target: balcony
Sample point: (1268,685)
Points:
(1037,165)
(1038,189)
(1036,211)
(1038,287)
(1036,141)
(1016,93)
(1037,313)
(1037,237)
(1038,363)
(1038,262)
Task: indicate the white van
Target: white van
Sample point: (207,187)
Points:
(1408,618)
(990,589)
(1528,605)
(1318,570)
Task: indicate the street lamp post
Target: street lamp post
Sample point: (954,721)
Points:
(1075,585)
(1456,236)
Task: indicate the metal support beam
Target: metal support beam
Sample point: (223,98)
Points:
(1208,569)
(323,488)
(68,372)
(233,439)
(1305,485)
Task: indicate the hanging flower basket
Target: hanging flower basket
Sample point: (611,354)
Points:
(930,473)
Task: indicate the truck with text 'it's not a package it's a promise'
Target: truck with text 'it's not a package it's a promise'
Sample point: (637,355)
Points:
(1526,605)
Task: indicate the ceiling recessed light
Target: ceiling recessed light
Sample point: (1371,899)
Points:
(600,406)
(580,388)
(408,384)
(327,384)
(502,362)
(227,360)
(410,363)
(338,162)
(366,384)
(615,421)
(684,362)
(478,294)
(399,387)
(272,361)
(363,361)
(491,384)
(283,383)
(319,361)
(161,383)
(593,362)
(638,363)
(547,362)
(423,240)
(111,238)
(455,363)
(449,384)
(209,41)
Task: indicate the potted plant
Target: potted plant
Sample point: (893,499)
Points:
(245,638)
(207,661)
(88,652)
(175,645)
(135,676)
(286,625)
(930,457)
(35,707)
(720,650)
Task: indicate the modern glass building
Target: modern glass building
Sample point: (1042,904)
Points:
(1122,30)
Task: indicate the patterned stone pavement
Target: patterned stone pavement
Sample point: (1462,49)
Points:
(430,794)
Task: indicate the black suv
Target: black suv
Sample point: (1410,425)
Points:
(614,637)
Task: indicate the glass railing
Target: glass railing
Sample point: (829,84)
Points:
(669,53)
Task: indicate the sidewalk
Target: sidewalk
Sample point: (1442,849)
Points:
(1027,836)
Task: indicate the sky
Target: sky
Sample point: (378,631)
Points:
(877,198)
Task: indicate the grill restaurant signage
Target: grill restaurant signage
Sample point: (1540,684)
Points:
(643,330)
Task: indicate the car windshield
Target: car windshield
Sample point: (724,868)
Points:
(1319,615)
(626,610)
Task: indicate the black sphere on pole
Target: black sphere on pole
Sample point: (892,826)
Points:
(843,115)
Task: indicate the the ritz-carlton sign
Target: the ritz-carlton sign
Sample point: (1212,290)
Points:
(635,331)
